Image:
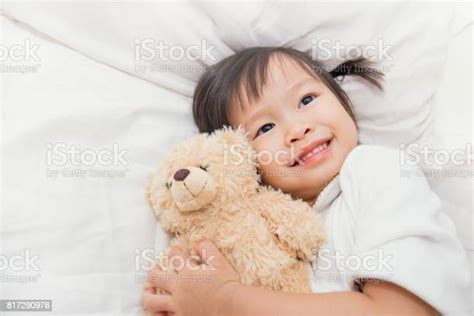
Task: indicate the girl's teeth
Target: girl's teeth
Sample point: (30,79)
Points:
(314,151)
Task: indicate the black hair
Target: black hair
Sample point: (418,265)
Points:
(222,84)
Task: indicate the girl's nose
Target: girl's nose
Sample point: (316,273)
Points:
(297,133)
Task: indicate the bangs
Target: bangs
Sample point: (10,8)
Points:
(256,72)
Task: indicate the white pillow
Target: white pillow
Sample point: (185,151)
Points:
(414,37)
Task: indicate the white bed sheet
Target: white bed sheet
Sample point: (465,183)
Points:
(84,230)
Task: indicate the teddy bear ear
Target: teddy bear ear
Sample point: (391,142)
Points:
(233,136)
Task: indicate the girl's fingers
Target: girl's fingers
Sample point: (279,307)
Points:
(149,287)
(157,302)
(210,254)
(161,279)
(177,259)
(194,261)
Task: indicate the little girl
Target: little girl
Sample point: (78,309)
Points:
(390,249)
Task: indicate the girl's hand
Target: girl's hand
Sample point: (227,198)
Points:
(196,288)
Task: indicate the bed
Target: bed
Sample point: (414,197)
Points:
(75,92)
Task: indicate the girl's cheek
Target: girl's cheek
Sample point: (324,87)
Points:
(265,160)
(262,143)
(271,151)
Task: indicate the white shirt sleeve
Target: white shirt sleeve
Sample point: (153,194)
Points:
(402,232)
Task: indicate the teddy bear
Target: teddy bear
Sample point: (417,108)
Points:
(209,186)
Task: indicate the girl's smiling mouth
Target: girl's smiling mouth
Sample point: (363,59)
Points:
(313,153)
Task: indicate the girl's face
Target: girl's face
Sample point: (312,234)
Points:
(298,127)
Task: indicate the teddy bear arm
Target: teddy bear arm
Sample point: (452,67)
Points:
(172,222)
(294,223)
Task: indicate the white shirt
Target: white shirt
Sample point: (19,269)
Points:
(382,224)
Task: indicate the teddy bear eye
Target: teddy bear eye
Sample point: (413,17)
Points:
(204,167)
(168,185)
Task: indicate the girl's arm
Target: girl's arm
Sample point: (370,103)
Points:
(213,288)
(381,298)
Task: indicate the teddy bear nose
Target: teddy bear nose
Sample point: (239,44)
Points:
(181,174)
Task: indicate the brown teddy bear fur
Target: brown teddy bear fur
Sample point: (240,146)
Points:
(268,237)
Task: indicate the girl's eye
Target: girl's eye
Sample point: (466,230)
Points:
(265,128)
(306,100)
